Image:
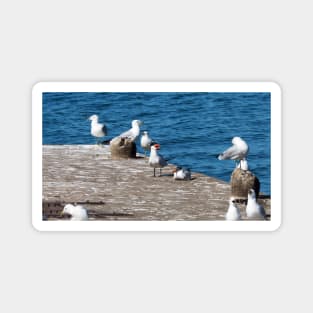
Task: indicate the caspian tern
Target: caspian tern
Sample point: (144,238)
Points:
(156,160)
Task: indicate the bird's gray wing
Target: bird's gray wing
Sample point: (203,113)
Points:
(104,129)
(162,161)
(229,154)
(262,210)
(127,134)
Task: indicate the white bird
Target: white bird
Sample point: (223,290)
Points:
(134,132)
(78,212)
(145,141)
(182,173)
(97,129)
(243,164)
(238,151)
(233,213)
(156,160)
(254,209)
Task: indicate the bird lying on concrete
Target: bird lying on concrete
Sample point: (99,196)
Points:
(182,173)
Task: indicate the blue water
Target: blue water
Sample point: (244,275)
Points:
(191,127)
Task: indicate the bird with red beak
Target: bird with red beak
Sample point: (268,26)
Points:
(156,160)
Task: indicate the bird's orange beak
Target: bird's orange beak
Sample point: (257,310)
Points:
(157,146)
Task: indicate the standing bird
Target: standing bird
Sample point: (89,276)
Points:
(77,213)
(238,151)
(156,160)
(254,209)
(233,213)
(97,129)
(145,142)
(134,132)
(182,173)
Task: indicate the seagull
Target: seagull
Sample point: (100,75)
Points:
(254,209)
(238,151)
(78,212)
(243,164)
(182,173)
(233,213)
(145,142)
(134,132)
(97,129)
(156,160)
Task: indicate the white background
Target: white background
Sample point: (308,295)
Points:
(155,40)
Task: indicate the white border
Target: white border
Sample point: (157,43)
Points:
(276,209)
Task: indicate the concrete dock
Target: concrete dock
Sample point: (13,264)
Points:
(126,189)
